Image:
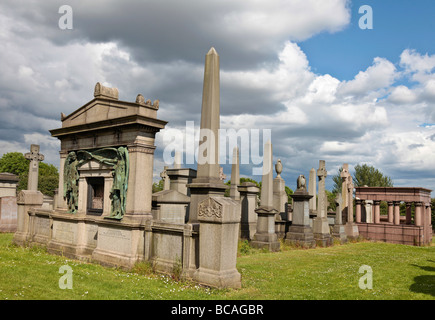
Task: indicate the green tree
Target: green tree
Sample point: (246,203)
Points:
(370,176)
(158,186)
(363,175)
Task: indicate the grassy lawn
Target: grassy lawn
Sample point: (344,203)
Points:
(399,272)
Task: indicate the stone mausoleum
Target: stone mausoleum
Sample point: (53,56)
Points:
(105,211)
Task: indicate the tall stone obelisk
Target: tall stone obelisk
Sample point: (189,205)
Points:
(265,236)
(235,175)
(207,182)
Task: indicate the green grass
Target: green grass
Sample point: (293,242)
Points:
(399,272)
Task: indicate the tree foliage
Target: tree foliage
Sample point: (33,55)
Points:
(363,175)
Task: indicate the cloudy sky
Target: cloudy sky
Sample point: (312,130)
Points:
(305,69)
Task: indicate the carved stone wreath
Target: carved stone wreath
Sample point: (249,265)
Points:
(210,208)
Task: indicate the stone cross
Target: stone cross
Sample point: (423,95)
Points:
(165,178)
(35,157)
(321,174)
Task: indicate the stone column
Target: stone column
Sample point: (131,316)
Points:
(280,198)
(376,211)
(418,213)
(140,180)
(351,227)
(35,157)
(265,236)
(358,203)
(207,182)
(300,232)
(248,200)
(408,213)
(368,204)
(312,190)
(390,211)
(320,223)
(344,192)
(338,230)
(396,212)
(235,175)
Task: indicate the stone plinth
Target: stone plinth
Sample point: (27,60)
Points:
(26,200)
(265,236)
(219,219)
(300,232)
(170,206)
(180,178)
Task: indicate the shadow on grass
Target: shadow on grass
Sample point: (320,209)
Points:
(426,283)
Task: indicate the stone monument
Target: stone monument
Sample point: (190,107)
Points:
(218,216)
(265,236)
(312,190)
(248,200)
(27,199)
(321,231)
(300,232)
(351,227)
(338,231)
(207,182)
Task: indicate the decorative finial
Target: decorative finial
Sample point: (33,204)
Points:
(278,168)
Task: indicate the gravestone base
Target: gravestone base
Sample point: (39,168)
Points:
(300,235)
(67,237)
(268,241)
(119,244)
(321,232)
(248,230)
(218,279)
(339,233)
(351,229)
(265,237)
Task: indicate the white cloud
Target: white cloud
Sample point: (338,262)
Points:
(378,76)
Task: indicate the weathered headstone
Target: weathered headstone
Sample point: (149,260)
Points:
(265,236)
(300,232)
(320,223)
(35,157)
